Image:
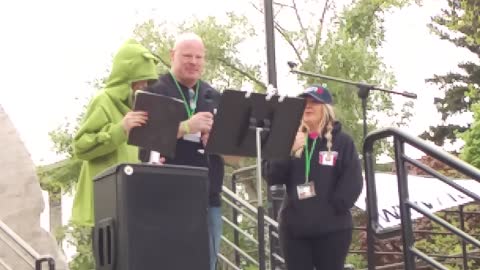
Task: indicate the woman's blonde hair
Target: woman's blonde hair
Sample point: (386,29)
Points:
(325,128)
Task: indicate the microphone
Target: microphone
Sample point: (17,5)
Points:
(292,64)
(210,106)
(209,100)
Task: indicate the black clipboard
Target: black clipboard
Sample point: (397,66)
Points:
(238,116)
(164,117)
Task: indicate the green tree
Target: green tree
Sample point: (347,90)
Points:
(459,24)
(224,67)
(343,44)
(471,151)
(63,175)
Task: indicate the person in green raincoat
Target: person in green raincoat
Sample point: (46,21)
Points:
(101,141)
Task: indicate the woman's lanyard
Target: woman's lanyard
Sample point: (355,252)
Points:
(189,107)
(308,157)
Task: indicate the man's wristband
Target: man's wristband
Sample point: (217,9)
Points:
(186,128)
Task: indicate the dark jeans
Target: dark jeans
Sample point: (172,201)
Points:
(215,232)
(324,252)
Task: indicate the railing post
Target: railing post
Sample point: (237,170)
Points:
(273,262)
(371,203)
(278,195)
(406,218)
(464,244)
(236,237)
(261,238)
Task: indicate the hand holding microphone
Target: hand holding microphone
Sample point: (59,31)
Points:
(200,122)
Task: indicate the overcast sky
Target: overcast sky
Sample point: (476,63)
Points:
(50,50)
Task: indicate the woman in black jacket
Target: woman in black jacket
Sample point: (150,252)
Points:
(323,180)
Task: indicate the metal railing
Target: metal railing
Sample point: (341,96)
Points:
(257,236)
(461,214)
(400,138)
(243,256)
(23,250)
(242,208)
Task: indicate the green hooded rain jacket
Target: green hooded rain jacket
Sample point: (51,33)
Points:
(101,140)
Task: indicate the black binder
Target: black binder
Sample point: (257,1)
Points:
(164,116)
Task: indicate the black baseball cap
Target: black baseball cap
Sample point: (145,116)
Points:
(319,94)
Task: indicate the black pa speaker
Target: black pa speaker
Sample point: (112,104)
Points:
(150,217)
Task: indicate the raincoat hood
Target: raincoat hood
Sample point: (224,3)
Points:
(133,62)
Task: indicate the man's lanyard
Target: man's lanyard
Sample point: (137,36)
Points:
(308,157)
(189,107)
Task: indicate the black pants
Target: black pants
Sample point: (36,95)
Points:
(324,252)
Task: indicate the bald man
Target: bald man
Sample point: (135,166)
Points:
(183,82)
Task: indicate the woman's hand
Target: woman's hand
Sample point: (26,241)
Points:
(299,142)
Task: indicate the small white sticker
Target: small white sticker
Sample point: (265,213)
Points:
(128,170)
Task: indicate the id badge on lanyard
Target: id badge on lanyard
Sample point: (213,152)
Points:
(307,190)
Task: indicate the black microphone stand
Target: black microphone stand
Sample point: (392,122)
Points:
(363,90)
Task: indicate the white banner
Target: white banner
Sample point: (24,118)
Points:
(429,193)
